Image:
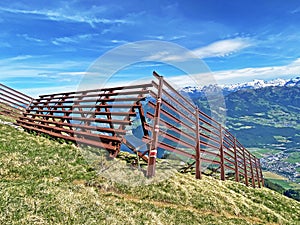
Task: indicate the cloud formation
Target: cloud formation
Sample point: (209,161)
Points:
(73,39)
(59,40)
(222,48)
(230,76)
(63,15)
(240,75)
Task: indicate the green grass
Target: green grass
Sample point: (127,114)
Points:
(270,175)
(293,157)
(283,183)
(44,182)
(6,118)
(263,152)
(281,139)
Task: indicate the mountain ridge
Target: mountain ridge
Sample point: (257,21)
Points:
(227,89)
(266,121)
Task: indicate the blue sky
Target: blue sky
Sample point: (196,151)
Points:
(46,46)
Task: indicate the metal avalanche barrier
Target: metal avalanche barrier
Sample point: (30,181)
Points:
(180,127)
(12,103)
(96,118)
(170,125)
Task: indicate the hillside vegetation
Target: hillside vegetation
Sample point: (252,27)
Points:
(45,182)
(262,117)
(267,122)
(266,116)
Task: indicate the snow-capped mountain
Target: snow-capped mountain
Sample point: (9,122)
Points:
(293,82)
(255,84)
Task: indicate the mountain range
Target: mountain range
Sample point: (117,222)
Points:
(265,117)
(255,84)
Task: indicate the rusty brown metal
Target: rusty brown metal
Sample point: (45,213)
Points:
(222,163)
(93,117)
(12,102)
(155,130)
(99,118)
(198,146)
(217,145)
(236,165)
(261,178)
(251,169)
(245,167)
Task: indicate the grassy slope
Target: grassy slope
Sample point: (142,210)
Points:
(44,182)
(266,121)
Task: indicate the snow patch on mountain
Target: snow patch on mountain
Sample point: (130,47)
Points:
(255,84)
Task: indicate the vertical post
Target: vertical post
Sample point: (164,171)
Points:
(84,122)
(108,115)
(63,110)
(251,168)
(245,167)
(222,166)
(197,140)
(142,115)
(261,174)
(237,175)
(155,131)
(256,170)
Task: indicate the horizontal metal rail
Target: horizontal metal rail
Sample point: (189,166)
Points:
(86,117)
(12,103)
(80,93)
(216,144)
(100,118)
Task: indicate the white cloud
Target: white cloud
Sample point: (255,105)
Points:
(222,48)
(165,38)
(221,77)
(35,92)
(241,75)
(58,41)
(115,41)
(6,61)
(28,38)
(73,39)
(295,11)
(173,38)
(156,37)
(290,70)
(63,15)
(163,56)
(18,67)
(73,73)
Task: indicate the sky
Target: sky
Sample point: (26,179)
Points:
(48,46)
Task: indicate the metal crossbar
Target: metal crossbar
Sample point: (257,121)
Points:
(12,103)
(100,118)
(189,132)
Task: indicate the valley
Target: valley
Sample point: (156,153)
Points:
(266,119)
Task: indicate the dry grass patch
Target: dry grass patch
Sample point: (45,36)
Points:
(44,182)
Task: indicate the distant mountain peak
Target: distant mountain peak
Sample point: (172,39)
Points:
(255,84)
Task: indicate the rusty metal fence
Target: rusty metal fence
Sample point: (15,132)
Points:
(171,124)
(12,103)
(94,117)
(179,126)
